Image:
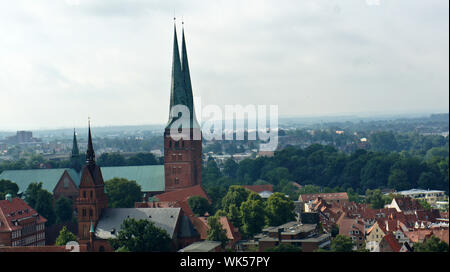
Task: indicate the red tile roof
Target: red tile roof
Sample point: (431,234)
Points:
(326,196)
(18,210)
(259,188)
(408,204)
(203,227)
(392,242)
(183,194)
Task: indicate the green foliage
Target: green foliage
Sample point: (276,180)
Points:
(342,243)
(65,236)
(31,193)
(253,215)
(215,231)
(284,248)
(63,210)
(279,209)
(398,180)
(375,199)
(235,195)
(425,204)
(234,215)
(8,187)
(141,236)
(334,231)
(433,244)
(44,206)
(230,168)
(199,205)
(122,193)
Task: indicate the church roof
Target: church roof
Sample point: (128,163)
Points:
(149,177)
(48,177)
(110,223)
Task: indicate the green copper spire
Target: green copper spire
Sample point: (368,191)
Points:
(75,158)
(92,228)
(187,83)
(177,90)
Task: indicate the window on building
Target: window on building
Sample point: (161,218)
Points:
(91,213)
(91,194)
(84,194)
(84,212)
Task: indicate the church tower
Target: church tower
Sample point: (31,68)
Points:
(182,157)
(92,199)
(75,157)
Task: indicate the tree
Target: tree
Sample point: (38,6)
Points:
(253,215)
(216,231)
(44,206)
(375,198)
(425,204)
(63,210)
(235,195)
(284,248)
(234,215)
(433,244)
(230,168)
(65,236)
(279,209)
(342,243)
(334,230)
(122,193)
(141,236)
(8,187)
(31,193)
(398,180)
(199,205)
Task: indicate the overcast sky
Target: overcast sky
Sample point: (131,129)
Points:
(62,61)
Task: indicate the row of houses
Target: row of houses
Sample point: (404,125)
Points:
(394,228)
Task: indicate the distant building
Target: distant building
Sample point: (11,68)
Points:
(328,197)
(20,225)
(263,191)
(431,196)
(22,137)
(306,236)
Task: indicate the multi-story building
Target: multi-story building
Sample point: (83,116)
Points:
(20,225)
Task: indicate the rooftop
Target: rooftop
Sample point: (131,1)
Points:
(203,246)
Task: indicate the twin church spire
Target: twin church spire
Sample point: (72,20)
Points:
(181,87)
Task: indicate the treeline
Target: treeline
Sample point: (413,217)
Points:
(106,159)
(324,166)
(389,141)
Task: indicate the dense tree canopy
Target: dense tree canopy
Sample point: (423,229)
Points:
(8,187)
(141,236)
(63,210)
(341,243)
(279,209)
(216,231)
(65,236)
(433,244)
(122,193)
(199,205)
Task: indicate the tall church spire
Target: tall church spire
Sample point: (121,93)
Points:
(75,157)
(187,83)
(177,90)
(75,151)
(90,155)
